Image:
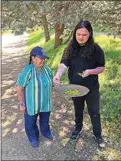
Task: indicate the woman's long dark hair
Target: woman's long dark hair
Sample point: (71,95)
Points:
(74,48)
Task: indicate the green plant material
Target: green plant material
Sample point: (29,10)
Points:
(72,92)
(108,154)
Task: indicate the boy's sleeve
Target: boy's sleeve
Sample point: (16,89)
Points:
(23,77)
(100,59)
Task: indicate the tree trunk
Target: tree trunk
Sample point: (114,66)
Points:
(69,38)
(45,26)
(59,28)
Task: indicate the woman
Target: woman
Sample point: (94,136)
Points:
(84,60)
(34,88)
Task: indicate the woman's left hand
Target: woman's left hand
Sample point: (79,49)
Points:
(22,109)
(86,73)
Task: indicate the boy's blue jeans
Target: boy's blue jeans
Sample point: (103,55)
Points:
(31,127)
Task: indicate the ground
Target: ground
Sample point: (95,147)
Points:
(15,145)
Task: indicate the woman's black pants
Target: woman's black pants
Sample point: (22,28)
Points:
(92,100)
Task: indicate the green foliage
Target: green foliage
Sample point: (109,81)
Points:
(105,14)
(110,81)
(18,28)
(35,37)
(6,32)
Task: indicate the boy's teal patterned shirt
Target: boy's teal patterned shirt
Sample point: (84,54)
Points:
(37,84)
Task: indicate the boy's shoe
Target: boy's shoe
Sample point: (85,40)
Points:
(34,144)
(75,134)
(100,142)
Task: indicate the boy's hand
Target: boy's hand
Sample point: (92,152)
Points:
(56,80)
(86,73)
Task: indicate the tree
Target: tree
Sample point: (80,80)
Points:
(39,16)
(45,26)
(63,15)
(59,26)
(13,16)
(21,15)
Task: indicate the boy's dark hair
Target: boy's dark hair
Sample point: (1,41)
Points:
(73,48)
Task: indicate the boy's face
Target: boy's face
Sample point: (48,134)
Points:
(82,35)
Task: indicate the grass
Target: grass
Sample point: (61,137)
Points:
(111,87)
(6,32)
(110,81)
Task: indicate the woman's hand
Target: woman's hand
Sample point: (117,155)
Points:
(20,93)
(22,109)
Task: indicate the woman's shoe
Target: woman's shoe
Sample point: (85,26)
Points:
(50,137)
(34,144)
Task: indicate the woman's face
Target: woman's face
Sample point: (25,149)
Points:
(38,61)
(82,35)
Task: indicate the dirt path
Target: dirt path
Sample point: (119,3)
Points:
(15,145)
